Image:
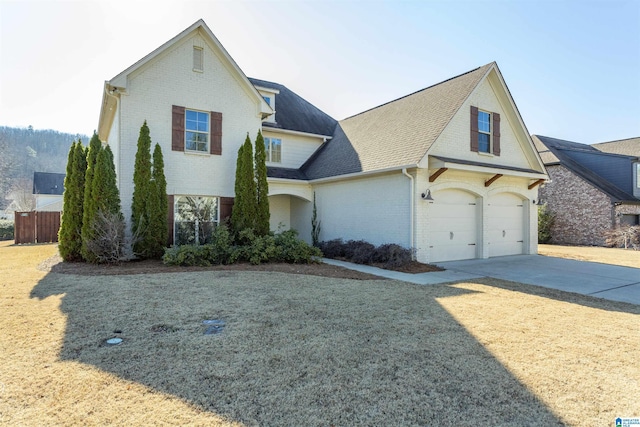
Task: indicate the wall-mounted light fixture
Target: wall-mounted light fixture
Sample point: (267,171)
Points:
(427,195)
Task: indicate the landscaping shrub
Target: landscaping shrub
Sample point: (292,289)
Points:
(392,255)
(546,219)
(362,252)
(282,247)
(108,242)
(6,229)
(389,255)
(292,250)
(187,255)
(332,248)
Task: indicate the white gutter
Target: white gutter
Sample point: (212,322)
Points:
(360,174)
(411,209)
(294,132)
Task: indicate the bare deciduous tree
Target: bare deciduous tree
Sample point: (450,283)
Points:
(625,236)
(22,197)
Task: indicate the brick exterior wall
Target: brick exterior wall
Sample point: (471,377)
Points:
(583,213)
(626,209)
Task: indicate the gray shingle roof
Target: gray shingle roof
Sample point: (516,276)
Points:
(286,173)
(295,113)
(48,183)
(629,146)
(394,134)
(602,170)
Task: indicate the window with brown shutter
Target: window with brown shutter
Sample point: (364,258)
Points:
(170,218)
(216,133)
(474,128)
(226,206)
(496,134)
(177,134)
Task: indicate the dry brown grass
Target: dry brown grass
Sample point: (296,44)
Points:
(305,350)
(615,256)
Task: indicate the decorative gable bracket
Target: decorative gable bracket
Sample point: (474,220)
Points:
(436,174)
(535,184)
(493,179)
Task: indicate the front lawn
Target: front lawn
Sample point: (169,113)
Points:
(615,256)
(305,350)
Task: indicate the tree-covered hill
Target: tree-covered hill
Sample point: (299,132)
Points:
(26,150)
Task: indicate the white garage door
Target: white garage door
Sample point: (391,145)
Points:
(506,225)
(453,226)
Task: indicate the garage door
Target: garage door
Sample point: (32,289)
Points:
(506,225)
(453,226)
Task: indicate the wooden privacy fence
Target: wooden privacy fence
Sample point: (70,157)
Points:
(36,227)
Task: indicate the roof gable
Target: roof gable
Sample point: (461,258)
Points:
(369,141)
(490,94)
(295,113)
(629,147)
(120,82)
(610,173)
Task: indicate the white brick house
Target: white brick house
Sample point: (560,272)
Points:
(449,170)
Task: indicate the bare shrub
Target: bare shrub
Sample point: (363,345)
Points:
(332,248)
(110,243)
(392,255)
(363,253)
(625,236)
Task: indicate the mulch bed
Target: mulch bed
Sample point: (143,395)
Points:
(56,265)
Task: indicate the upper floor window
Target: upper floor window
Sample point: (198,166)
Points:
(637,175)
(267,99)
(273,148)
(197,131)
(484,132)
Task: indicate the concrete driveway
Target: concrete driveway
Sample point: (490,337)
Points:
(589,278)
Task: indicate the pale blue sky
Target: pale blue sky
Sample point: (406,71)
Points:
(573,67)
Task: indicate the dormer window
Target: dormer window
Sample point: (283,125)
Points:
(638,175)
(267,99)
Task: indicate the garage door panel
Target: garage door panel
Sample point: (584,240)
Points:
(506,225)
(453,226)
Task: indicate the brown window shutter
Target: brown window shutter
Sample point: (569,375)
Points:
(177,127)
(216,133)
(170,218)
(474,128)
(496,134)
(226,205)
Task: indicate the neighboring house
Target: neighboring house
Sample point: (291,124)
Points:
(591,191)
(449,170)
(48,189)
(628,147)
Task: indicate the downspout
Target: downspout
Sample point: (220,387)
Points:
(411,210)
(111,94)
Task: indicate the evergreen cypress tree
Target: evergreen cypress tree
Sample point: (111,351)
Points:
(157,207)
(245,204)
(249,185)
(237,214)
(262,188)
(69,235)
(141,180)
(106,202)
(89,210)
(105,192)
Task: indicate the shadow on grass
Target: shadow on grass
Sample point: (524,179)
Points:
(296,350)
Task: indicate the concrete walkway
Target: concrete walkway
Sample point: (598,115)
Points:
(588,278)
